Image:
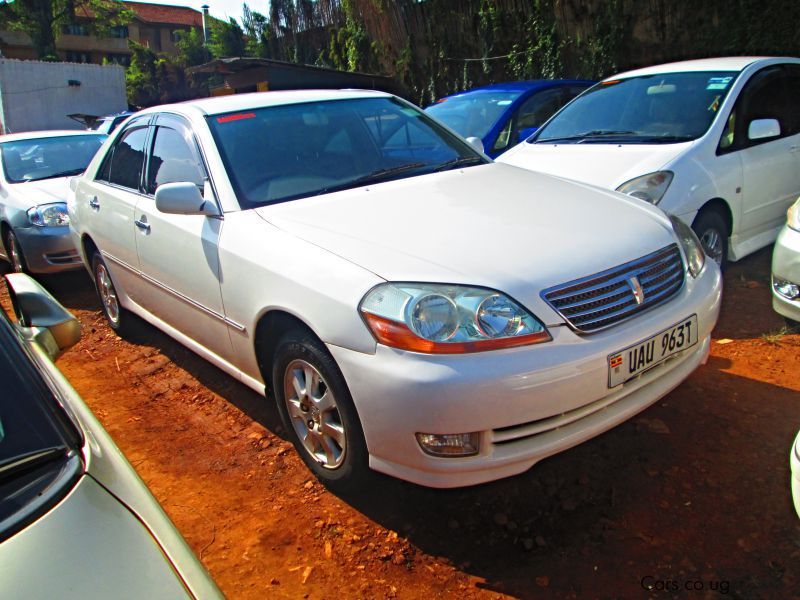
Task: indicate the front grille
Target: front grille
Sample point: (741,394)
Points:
(605,299)
(63,258)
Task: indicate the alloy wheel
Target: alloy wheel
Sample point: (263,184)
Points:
(711,240)
(108,295)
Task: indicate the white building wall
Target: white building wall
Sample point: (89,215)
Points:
(37,95)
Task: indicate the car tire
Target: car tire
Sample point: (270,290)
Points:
(320,417)
(117,317)
(16,258)
(712,231)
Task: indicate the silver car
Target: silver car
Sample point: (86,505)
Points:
(75,519)
(34,226)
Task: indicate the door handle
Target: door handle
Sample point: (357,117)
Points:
(94,203)
(142,224)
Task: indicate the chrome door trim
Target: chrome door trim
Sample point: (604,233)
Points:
(176,294)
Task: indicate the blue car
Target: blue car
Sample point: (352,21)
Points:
(504,114)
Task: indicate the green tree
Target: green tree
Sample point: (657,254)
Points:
(226,39)
(191,48)
(43,20)
(256,31)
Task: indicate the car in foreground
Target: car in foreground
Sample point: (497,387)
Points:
(412,306)
(794,462)
(503,114)
(786,268)
(34,169)
(75,519)
(712,141)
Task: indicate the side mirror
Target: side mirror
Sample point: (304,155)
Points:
(763,128)
(476,143)
(525,133)
(40,317)
(183,198)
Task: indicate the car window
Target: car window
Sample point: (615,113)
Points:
(763,97)
(280,153)
(172,160)
(649,109)
(540,107)
(473,113)
(49,157)
(123,165)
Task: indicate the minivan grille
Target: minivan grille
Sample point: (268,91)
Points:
(599,301)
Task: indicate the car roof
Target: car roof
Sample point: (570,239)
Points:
(725,63)
(522,86)
(236,102)
(35,135)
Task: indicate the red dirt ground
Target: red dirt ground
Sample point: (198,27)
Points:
(691,497)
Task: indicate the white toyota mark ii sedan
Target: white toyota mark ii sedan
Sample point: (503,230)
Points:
(413,307)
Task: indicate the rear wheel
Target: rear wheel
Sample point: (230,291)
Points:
(712,231)
(116,316)
(317,411)
(14,252)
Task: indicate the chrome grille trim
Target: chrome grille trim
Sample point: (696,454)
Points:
(602,300)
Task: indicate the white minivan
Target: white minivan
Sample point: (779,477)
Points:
(712,141)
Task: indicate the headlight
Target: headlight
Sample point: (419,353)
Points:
(49,215)
(650,188)
(448,319)
(695,257)
(793,216)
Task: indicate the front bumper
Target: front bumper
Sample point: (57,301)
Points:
(786,266)
(48,249)
(527,403)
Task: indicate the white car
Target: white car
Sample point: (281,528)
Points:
(75,519)
(794,462)
(714,141)
(34,229)
(786,267)
(414,307)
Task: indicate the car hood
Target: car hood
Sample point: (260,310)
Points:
(32,193)
(493,225)
(604,165)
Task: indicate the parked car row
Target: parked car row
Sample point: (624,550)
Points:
(389,283)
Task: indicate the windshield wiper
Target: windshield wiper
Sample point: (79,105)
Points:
(66,173)
(373,177)
(462,161)
(586,135)
(11,467)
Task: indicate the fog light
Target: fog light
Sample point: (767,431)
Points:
(449,444)
(787,289)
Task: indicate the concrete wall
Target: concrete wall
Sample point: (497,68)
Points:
(36,95)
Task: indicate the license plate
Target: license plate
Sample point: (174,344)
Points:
(628,363)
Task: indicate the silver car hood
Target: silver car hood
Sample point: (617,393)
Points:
(494,225)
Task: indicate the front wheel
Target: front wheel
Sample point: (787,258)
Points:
(712,231)
(316,409)
(14,253)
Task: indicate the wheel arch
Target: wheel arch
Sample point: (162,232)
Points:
(720,206)
(271,326)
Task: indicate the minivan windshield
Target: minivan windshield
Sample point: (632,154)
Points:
(650,109)
(474,113)
(279,153)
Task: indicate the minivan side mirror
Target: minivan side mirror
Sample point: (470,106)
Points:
(183,198)
(476,143)
(40,317)
(760,129)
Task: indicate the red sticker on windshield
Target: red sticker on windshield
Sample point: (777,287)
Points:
(236,117)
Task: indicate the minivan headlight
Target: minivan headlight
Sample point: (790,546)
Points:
(49,215)
(448,319)
(695,257)
(650,188)
(793,216)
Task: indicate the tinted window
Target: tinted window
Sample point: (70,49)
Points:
(475,113)
(46,158)
(172,160)
(286,152)
(660,108)
(540,107)
(124,168)
(765,97)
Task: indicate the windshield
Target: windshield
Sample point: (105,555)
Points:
(294,151)
(663,108)
(48,157)
(472,114)
(38,449)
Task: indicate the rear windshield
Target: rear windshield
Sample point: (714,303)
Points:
(473,114)
(662,108)
(281,153)
(49,157)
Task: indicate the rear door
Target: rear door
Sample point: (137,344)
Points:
(178,254)
(106,204)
